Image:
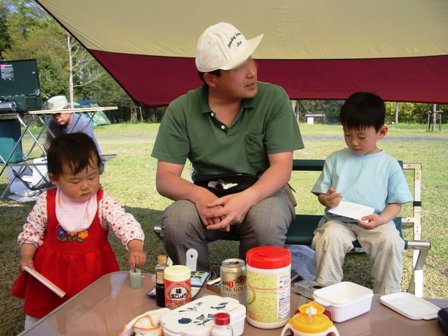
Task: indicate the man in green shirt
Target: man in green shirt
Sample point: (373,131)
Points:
(232,124)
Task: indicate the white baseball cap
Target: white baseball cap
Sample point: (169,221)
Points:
(223,46)
(56,102)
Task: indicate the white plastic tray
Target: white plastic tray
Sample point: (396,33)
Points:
(411,306)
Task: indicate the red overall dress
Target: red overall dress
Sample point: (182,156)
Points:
(71,261)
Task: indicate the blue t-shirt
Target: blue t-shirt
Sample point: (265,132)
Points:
(373,180)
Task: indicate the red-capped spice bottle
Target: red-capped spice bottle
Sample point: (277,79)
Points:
(222,325)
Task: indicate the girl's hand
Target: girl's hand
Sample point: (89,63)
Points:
(26,261)
(27,252)
(136,255)
(136,259)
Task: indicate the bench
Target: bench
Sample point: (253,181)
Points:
(301,231)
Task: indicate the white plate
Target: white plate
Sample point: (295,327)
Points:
(409,305)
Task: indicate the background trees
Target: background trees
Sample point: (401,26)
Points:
(5,38)
(66,68)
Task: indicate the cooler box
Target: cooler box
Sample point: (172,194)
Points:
(9,135)
(197,317)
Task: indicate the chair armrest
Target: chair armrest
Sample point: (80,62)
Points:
(423,247)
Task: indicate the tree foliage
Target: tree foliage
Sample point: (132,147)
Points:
(407,112)
(34,34)
(413,112)
(5,37)
(330,108)
(27,32)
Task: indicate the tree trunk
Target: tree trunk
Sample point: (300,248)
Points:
(396,112)
(141,114)
(70,71)
(295,108)
(134,114)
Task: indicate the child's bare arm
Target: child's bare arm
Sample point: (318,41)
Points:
(136,255)
(27,252)
(372,221)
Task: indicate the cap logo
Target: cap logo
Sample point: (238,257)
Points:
(233,38)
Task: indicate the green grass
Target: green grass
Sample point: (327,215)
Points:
(129,178)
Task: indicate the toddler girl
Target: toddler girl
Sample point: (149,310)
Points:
(65,237)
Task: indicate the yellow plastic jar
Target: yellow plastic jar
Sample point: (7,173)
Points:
(268,286)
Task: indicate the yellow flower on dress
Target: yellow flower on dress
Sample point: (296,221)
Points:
(83,234)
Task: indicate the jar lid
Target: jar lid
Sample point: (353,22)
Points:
(177,273)
(222,319)
(268,257)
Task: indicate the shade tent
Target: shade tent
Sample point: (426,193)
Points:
(320,49)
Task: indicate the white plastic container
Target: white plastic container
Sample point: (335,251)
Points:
(197,317)
(411,306)
(268,286)
(344,300)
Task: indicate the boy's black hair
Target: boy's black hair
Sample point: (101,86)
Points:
(363,109)
(75,150)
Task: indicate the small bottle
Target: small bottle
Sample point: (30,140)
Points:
(222,325)
(160,281)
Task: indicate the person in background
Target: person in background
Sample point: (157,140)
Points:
(232,125)
(361,173)
(64,123)
(65,237)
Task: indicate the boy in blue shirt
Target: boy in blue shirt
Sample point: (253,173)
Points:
(363,174)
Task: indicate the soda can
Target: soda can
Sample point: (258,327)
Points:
(233,279)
